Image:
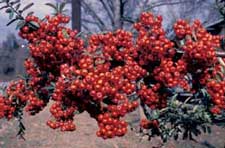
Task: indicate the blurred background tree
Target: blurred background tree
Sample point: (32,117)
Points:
(11,57)
(107,15)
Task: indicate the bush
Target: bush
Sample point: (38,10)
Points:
(180,84)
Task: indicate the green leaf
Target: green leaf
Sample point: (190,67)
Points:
(22,126)
(223,69)
(12,21)
(203,127)
(52,84)
(20,132)
(65,34)
(79,34)
(49,88)
(57,6)
(76,112)
(65,10)
(62,6)
(175,136)
(164,137)
(9,10)
(208,129)
(196,131)
(207,118)
(11,15)
(52,5)
(204,92)
(17,6)
(174,97)
(195,108)
(185,134)
(27,6)
(20,24)
(34,25)
(155,114)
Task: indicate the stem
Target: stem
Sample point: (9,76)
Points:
(221,61)
(220,54)
(17,13)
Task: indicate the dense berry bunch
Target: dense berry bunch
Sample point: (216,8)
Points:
(52,44)
(152,43)
(147,124)
(63,116)
(107,75)
(171,74)
(217,92)
(182,28)
(6,108)
(152,96)
(110,127)
(17,92)
(201,45)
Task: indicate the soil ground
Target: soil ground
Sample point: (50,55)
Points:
(38,135)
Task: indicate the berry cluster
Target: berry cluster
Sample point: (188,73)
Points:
(171,74)
(147,124)
(152,44)
(101,76)
(52,44)
(152,97)
(182,28)
(6,108)
(18,92)
(63,115)
(110,127)
(117,46)
(217,92)
(202,48)
(109,123)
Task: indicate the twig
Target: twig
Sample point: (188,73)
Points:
(107,10)
(89,21)
(220,54)
(221,61)
(162,3)
(94,15)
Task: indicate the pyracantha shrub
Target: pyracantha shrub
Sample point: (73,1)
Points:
(180,83)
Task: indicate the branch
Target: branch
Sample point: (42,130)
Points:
(107,10)
(110,3)
(94,15)
(144,4)
(162,3)
(172,12)
(143,111)
(220,54)
(93,22)
(221,61)
(117,5)
(89,21)
(19,13)
(85,27)
(76,15)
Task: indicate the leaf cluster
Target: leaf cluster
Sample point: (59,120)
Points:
(184,118)
(15,11)
(59,8)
